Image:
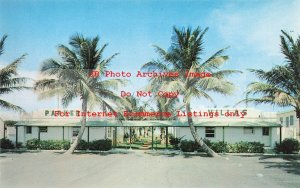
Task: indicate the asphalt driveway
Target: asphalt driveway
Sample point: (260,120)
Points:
(138,169)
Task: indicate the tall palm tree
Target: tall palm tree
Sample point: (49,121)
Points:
(9,80)
(281,85)
(71,78)
(133,104)
(184,56)
(168,105)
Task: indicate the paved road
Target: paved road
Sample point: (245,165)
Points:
(137,169)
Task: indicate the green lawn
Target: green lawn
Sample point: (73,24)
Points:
(138,145)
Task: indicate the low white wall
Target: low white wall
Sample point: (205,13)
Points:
(11,134)
(97,133)
(233,135)
(58,133)
(1,128)
(53,133)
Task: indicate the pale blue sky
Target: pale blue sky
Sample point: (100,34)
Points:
(250,28)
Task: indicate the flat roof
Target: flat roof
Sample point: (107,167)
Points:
(155,123)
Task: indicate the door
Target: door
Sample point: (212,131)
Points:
(266,136)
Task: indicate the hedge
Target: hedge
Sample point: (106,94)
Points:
(83,145)
(47,144)
(6,144)
(33,144)
(188,146)
(288,146)
(223,147)
(54,144)
(246,147)
(102,145)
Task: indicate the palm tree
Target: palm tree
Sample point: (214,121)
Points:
(184,57)
(9,80)
(281,85)
(133,104)
(168,105)
(71,78)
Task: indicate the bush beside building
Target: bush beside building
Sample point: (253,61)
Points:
(288,146)
(223,147)
(101,145)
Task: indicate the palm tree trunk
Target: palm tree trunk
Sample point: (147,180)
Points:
(82,128)
(198,140)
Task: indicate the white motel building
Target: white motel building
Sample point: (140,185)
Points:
(257,126)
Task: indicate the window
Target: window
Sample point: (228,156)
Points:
(281,120)
(248,130)
(265,131)
(291,120)
(209,132)
(75,131)
(43,129)
(287,122)
(28,130)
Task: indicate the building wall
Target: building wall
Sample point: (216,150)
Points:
(230,135)
(55,133)
(290,124)
(282,118)
(275,136)
(34,133)
(2,131)
(21,134)
(97,133)
(11,134)
(233,135)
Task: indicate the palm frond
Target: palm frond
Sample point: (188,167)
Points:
(11,69)
(2,41)
(10,106)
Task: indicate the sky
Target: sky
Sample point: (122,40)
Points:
(250,29)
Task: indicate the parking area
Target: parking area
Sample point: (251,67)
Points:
(140,169)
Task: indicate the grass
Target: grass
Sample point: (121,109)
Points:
(162,146)
(127,145)
(138,145)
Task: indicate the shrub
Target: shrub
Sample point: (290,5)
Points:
(220,147)
(47,144)
(288,146)
(32,144)
(223,147)
(66,145)
(175,141)
(246,147)
(188,146)
(53,144)
(102,145)
(256,147)
(83,145)
(19,145)
(6,144)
